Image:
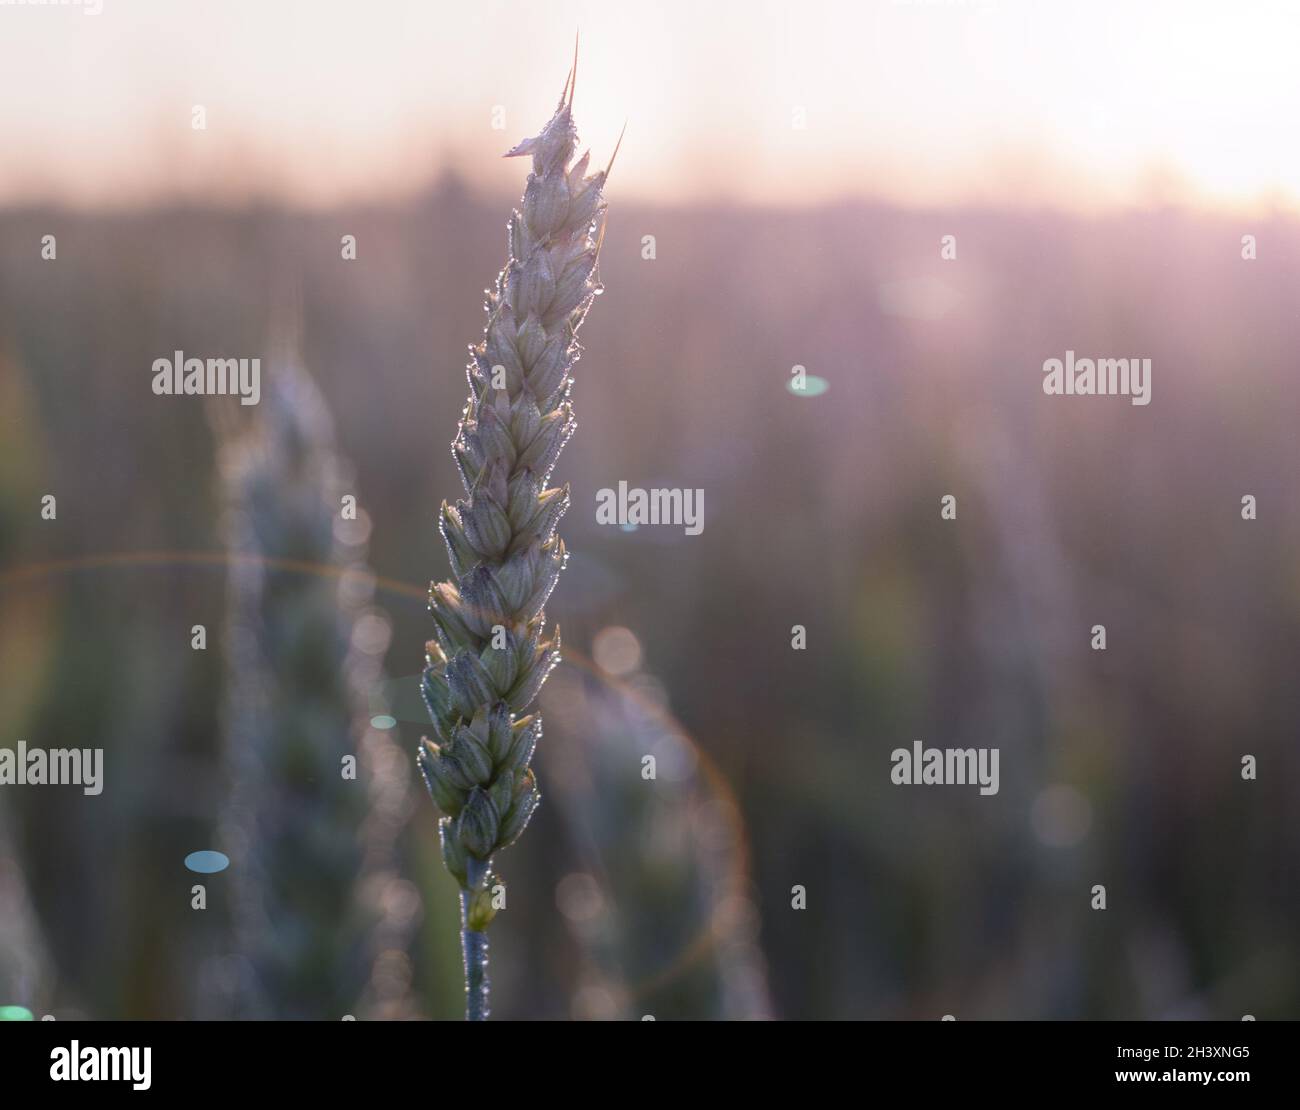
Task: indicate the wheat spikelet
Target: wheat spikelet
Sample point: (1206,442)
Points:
(490,655)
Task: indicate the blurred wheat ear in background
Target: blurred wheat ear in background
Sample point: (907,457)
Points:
(321,921)
(27,972)
(659,906)
(489,658)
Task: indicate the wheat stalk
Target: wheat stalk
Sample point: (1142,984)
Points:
(489,658)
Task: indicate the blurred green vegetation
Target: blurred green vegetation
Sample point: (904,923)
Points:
(1118,767)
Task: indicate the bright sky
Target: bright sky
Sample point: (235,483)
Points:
(1059,102)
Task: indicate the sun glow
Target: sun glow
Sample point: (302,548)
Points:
(1073,105)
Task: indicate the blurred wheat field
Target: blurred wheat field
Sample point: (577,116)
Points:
(1118,767)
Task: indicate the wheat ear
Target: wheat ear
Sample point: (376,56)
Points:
(489,658)
(295,709)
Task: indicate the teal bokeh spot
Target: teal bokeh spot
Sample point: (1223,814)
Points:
(628,527)
(396,700)
(16,1013)
(813,386)
(207,863)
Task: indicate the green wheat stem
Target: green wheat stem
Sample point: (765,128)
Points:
(474,943)
(490,655)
